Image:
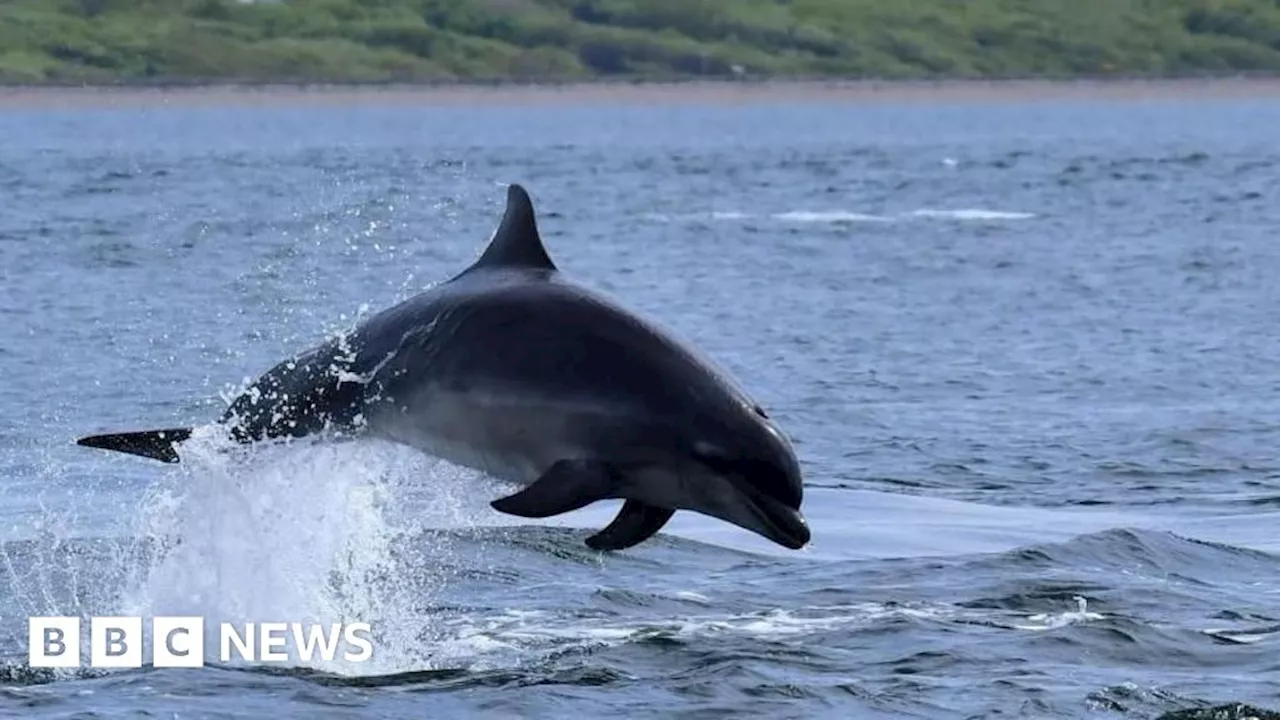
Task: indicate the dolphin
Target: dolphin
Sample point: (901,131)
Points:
(511,369)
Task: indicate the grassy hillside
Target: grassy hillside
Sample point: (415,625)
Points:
(416,40)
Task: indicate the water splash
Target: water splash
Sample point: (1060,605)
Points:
(307,532)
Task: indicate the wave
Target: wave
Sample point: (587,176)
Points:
(843,217)
(529,607)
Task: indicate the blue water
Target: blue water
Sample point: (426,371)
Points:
(1027,354)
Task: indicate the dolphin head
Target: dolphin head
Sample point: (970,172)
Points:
(747,474)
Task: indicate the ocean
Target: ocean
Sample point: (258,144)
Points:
(1026,351)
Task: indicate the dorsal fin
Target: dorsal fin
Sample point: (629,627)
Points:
(516,242)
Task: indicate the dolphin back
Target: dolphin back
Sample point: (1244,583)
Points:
(301,396)
(530,335)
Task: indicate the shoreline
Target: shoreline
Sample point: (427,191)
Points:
(643,92)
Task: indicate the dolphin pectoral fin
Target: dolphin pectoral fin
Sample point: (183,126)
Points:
(566,486)
(154,444)
(635,523)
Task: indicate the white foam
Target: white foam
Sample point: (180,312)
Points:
(684,217)
(1050,621)
(486,641)
(1239,636)
(828,216)
(971,214)
(831,217)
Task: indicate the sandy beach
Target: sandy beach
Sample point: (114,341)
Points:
(693,92)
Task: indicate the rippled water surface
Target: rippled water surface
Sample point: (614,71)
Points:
(1027,353)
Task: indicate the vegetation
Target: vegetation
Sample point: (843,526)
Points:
(98,41)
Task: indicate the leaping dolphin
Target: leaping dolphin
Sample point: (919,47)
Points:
(511,369)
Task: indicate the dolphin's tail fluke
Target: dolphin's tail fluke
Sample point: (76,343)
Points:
(154,444)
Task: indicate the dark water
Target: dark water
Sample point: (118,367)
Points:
(1027,354)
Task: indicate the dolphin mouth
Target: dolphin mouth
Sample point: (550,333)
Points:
(779,522)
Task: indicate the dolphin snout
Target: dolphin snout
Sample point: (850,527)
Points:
(777,521)
(793,530)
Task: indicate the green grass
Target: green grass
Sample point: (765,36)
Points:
(100,41)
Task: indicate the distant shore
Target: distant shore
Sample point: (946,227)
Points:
(624,92)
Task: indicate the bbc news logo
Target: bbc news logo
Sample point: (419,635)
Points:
(117,642)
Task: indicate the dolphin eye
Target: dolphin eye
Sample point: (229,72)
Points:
(705,450)
(712,456)
(763,474)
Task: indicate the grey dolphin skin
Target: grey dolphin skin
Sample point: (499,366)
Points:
(511,369)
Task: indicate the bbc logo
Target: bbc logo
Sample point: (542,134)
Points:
(115,642)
